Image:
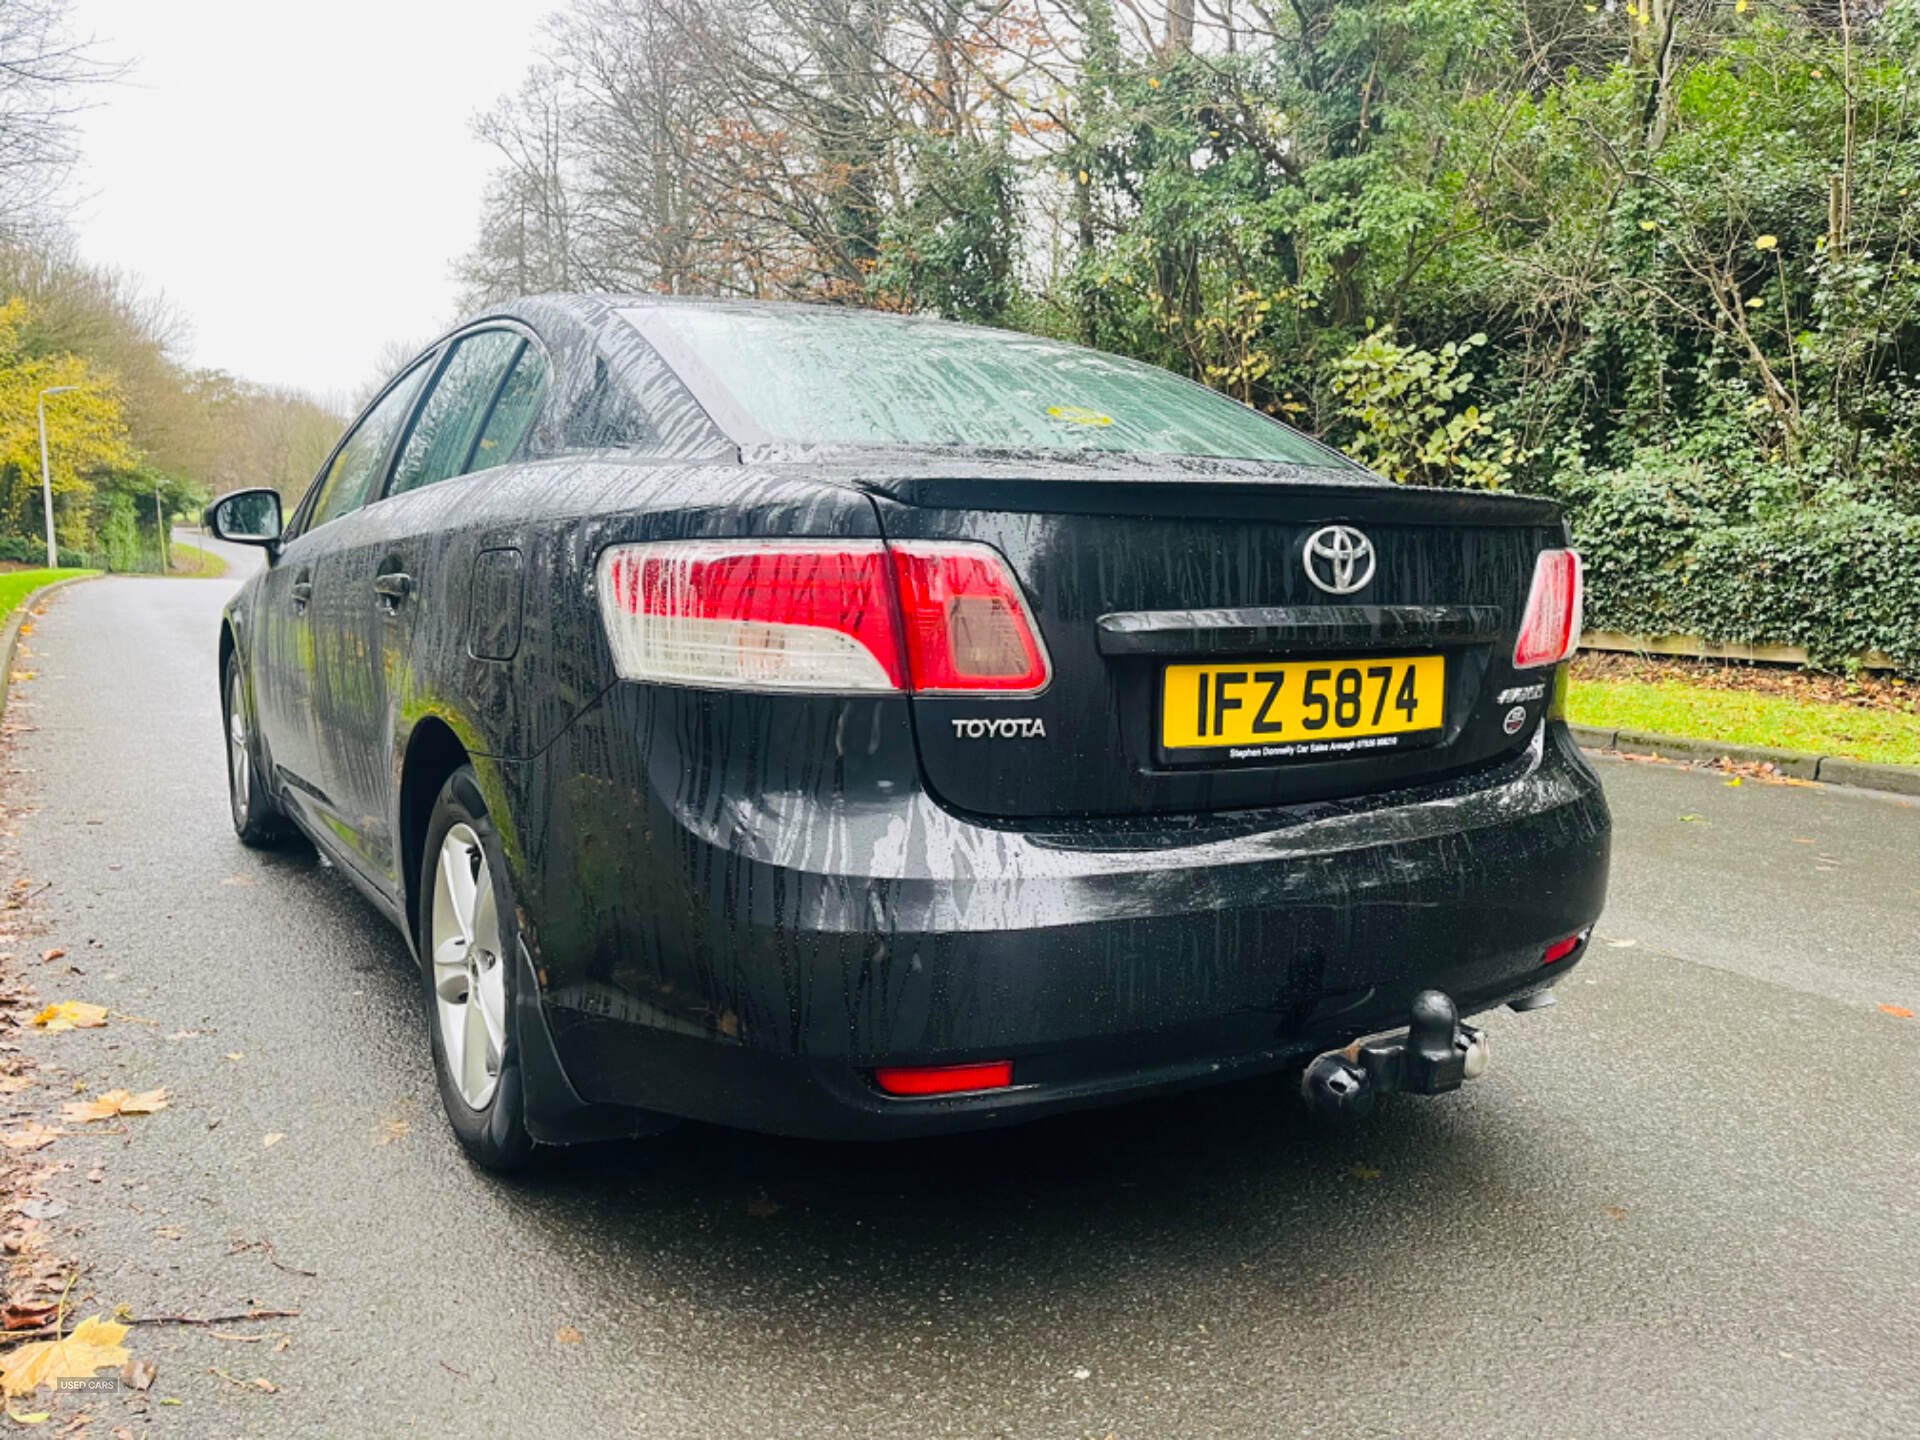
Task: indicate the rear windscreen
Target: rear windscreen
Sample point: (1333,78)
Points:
(854,378)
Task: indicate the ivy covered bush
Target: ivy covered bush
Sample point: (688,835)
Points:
(1669,551)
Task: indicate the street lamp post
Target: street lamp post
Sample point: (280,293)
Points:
(46,475)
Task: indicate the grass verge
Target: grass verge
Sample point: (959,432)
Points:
(1740,717)
(200,564)
(16,585)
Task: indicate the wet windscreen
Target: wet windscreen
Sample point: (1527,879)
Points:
(854,378)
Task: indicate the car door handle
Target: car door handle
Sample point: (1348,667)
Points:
(393,587)
(302,592)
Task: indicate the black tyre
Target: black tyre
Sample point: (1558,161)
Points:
(257,819)
(468,935)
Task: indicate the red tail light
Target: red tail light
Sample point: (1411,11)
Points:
(944,1079)
(1550,632)
(822,616)
(968,628)
(1560,949)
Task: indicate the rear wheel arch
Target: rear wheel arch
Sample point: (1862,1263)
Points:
(434,752)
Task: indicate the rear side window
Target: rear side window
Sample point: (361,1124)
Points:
(345,485)
(444,431)
(514,407)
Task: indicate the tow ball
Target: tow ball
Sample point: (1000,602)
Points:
(1436,1054)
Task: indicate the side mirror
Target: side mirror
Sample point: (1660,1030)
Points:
(246,517)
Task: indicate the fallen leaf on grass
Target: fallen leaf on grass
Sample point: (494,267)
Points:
(34,1137)
(1899,1012)
(93,1343)
(114,1102)
(274,1139)
(70,1014)
(567,1335)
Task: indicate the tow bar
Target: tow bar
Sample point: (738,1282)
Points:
(1436,1054)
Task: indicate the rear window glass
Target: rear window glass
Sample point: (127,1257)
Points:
(825,377)
(513,411)
(444,431)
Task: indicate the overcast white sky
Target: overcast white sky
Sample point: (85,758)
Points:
(297,179)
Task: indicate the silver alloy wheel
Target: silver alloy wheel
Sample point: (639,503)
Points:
(239,759)
(469,978)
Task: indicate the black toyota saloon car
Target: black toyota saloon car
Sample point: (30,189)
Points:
(853,725)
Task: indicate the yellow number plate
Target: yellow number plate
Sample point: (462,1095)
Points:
(1300,709)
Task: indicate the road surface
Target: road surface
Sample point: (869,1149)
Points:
(1685,1201)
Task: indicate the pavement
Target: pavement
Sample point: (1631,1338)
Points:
(1684,1201)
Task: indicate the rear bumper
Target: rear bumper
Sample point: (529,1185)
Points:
(759,973)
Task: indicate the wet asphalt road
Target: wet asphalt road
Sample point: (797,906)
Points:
(1686,1201)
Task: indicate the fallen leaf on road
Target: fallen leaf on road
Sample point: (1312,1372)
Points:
(13,1084)
(55,954)
(28,1317)
(38,1417)
(274,1139)
(238,880)
(1700,818)
(266,1386)
(94,1342)
(567,1335)
(236,1055)
(390,1131)
(1363,1172)
(1899,1012)
(139,1374)
(1733,782)
(114,1102)
(1616,1212)
(71,1014)
(34,1137)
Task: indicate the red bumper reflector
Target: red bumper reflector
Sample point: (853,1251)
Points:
(944,1079)
(1560,949)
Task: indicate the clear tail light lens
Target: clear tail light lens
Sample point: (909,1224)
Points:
(753,615)
(1550,631)
(820,616)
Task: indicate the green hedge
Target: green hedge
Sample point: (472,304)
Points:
(1840,577)
(21,550)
